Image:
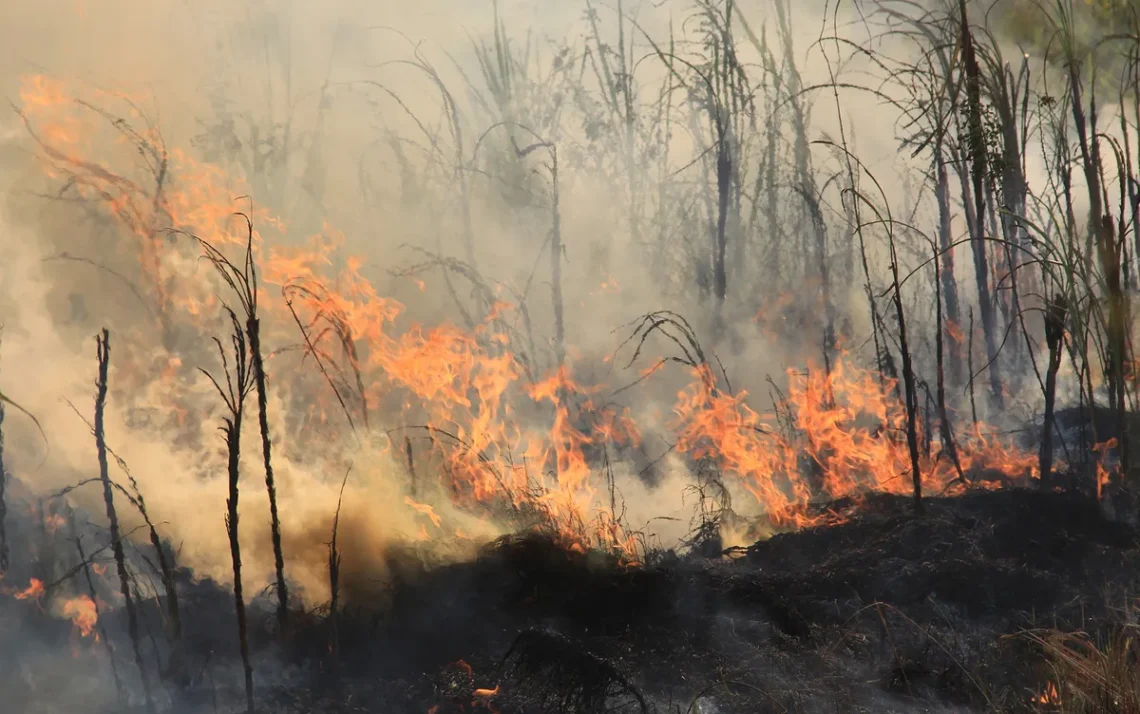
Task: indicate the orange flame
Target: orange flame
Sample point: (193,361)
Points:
(846,427)
(83,613)
(53,522)
(465,387)
(35,590)
(424,509)
(1049,695)
(1103,475)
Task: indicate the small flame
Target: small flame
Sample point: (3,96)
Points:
(609,285)
(462,664)
(53,522)
(1048,695)
(83,613)
(954,332)
(35,590)
(425,510)
(1103,474)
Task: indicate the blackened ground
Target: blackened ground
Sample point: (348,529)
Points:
(886,612)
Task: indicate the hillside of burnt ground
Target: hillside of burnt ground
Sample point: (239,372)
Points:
(886,612)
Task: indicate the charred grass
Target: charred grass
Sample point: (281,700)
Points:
(885,612)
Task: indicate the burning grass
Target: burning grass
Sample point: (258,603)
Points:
(500,545)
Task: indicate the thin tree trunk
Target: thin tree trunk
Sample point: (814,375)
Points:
(948,287)
(909,383)
(3,500)
(1054,339)
(556,265)
(100,629)
(946,432)
(975,140)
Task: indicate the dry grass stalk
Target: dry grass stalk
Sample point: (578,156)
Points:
(243,281)
(1094,678)
(238,385)
(104,358)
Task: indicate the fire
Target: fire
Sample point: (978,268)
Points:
(53,522)
(609,286)
(1103,474)
(846,424)
(481,694)
(424,509)
(502,434)
(173,364)
(37,92)
(34,591)
(463,388)
(83,613)
(1049,695)
(954,332)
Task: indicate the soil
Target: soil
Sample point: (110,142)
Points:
(886,612)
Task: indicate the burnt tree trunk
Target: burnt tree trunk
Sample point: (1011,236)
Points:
(253,330)
(104,359)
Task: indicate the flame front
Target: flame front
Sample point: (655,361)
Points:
(500,436)
(845,441)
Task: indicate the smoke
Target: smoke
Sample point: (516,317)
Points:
(335,118)
(400,157)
